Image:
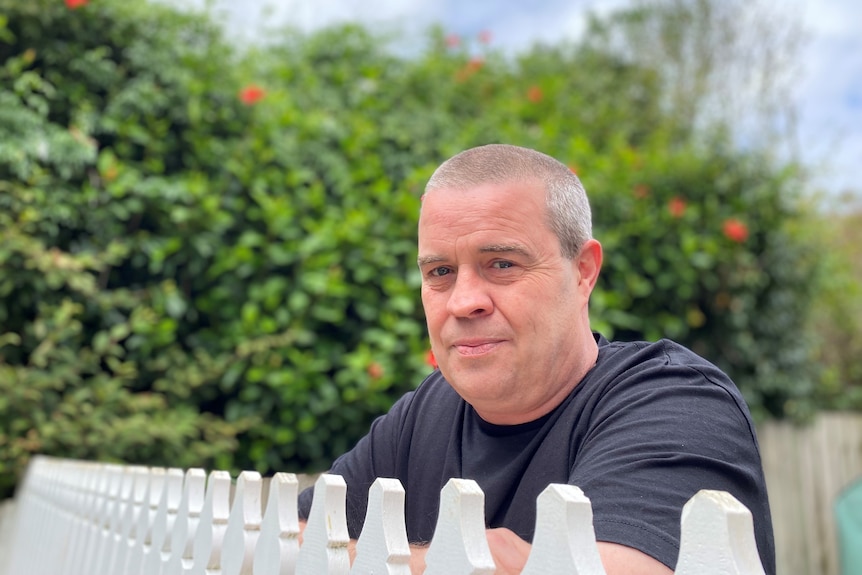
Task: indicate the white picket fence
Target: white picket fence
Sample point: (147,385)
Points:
(81,518)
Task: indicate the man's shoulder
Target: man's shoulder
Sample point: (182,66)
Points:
(665,371)
(624,355)
(662,363)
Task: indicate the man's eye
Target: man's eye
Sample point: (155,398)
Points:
(439,272)
(503,265)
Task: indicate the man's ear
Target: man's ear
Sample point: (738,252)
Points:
(589,262)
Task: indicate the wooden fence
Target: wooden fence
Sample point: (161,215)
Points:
(806,468)
(78,518)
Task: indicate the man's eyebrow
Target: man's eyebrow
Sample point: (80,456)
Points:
(505,248)
(425,260)
(488,249)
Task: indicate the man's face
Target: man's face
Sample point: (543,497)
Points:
(505,310)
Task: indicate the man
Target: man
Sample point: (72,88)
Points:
(526,394)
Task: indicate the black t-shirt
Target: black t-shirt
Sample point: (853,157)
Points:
(649,426)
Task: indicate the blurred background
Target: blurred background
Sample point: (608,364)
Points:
(819,59)
(208,212)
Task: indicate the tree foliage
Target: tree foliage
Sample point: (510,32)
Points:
(208,254)
(836,317)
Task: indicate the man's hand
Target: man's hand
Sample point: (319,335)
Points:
(509,551)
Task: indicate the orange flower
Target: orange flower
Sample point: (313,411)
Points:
(110,173)
(430,359)
(641,191)
(73,4)
(534,94)
(471,67)
(485,36)
(251,94)
(573,168)
(676,207)
(375,370)
(735,230)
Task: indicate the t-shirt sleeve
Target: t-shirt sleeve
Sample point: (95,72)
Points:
(373,456)
(659,434)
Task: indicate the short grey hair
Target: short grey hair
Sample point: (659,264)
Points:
(568,209)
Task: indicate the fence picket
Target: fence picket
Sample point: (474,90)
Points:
(459,545)
(382,547)
(135,510)
(76,518)
(93,530)
(213,522)
(325,540)
(278,545)
(178,551)
(170,496)
(243,526)
(717,537)
(564,541)
(101,550)
(142,532)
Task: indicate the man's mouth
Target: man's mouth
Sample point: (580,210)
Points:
(476,347)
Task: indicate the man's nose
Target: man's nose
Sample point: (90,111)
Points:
(469,296)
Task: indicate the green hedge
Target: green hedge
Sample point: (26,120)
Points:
(208,254)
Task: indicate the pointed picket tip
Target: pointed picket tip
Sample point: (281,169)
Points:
(382,547)
(717,537)
(564,541)
(459,545)
(247,500)
(325,539)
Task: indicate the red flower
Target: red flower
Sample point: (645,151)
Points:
(430,359)
(735,230)
(251,94)
(485,36)
(534,94)
(453,41)
(375,370)
(676,207)
(73,4)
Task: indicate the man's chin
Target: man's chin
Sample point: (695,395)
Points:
(478,385)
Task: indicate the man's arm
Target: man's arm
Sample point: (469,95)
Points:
(619,560)
(510,554)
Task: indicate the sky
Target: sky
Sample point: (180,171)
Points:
(827,90)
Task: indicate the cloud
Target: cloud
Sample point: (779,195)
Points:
(829,93)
